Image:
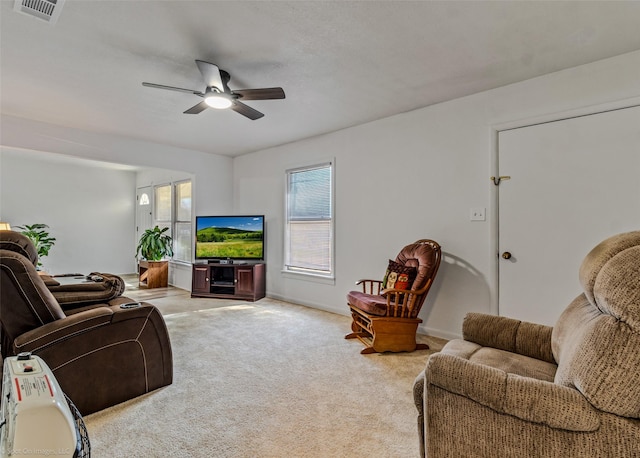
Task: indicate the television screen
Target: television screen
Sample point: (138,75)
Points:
(230,237)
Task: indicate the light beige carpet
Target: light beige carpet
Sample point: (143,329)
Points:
(266,379)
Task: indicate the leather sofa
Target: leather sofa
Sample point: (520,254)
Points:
(518,389)
(73,292)
(101,354)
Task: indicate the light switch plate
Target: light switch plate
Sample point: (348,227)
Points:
(477,214)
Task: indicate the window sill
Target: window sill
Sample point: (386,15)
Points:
(326,280)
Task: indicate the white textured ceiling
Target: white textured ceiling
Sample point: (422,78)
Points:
(341,63)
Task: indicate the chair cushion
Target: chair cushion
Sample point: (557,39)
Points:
(25,303)
(19,243)
(511,363)
(617,287)
(398,276)
(596,339)
(421,256)
(600,255)
(369,303)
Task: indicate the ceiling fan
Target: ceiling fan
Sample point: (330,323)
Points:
(218,95)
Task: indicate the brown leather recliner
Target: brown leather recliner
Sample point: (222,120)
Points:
(101,356)
(76,293)
(73,292)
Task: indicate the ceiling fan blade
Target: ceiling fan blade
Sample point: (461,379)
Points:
(172,88)
(246,110)
(197,108)
(267,93)
(211,74)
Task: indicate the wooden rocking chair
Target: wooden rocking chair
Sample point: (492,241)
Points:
(386,318)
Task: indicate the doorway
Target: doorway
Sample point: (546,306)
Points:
(144,213)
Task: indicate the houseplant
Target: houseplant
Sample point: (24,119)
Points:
(41,239)
(153,247)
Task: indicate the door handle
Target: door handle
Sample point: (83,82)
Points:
(506,255)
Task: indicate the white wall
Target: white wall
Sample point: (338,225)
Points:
(416,175)
(89,209)
(212,193)
(155,163)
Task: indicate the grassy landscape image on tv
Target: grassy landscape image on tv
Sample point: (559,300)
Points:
(230,237)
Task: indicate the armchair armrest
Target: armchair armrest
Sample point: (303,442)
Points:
(60,329)
(402,302)
(104,355)
(56,332)
(526,398)
(528,339)
(370,286)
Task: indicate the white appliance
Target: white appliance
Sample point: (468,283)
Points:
(37,420)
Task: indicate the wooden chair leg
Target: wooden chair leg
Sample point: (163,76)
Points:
(356,335)
(368,351)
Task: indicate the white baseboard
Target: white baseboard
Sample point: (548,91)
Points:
(438,333)
(314,305)
(421,329)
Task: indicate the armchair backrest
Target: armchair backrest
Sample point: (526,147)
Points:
(596,341)
(20,243)
(425,256)
(25,301)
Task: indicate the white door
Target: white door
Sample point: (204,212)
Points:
(573,183)
(144,214)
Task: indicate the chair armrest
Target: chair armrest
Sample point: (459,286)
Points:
(75,325)
(525,398)
(60,329)
(515,336)
(403,302)
(105,355)
(373,287)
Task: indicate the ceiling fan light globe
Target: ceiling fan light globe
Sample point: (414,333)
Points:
(218,101)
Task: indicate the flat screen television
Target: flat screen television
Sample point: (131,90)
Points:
(233,238)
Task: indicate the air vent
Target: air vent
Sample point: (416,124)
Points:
(46,10)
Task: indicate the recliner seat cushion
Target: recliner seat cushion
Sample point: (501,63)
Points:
(511,363)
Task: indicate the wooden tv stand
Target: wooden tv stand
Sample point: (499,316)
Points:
(229,281)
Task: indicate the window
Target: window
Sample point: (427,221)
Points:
(172,209)
(162,208)
(309,220)
(182,223)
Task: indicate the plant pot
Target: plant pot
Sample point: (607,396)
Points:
(153,274)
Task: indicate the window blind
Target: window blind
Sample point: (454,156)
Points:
(310,219)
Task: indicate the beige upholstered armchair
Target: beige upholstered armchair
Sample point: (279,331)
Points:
(517,389)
